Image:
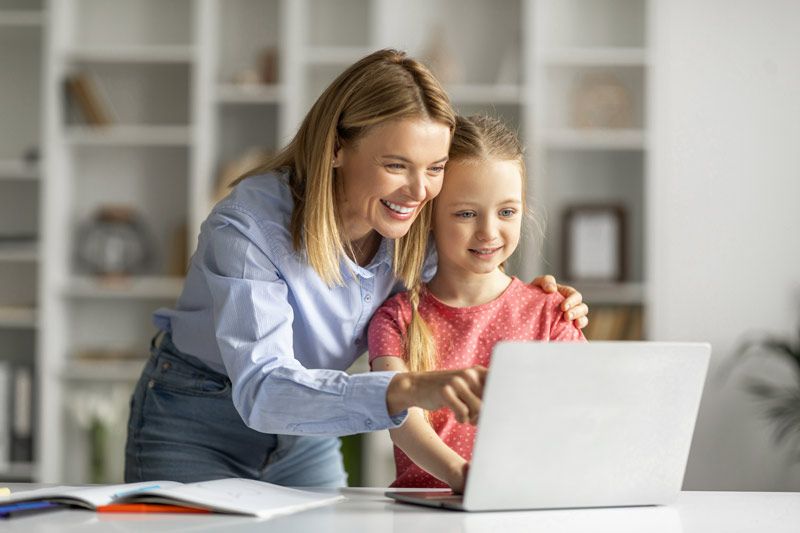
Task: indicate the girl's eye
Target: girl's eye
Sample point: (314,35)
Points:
(465,214)
(506,213)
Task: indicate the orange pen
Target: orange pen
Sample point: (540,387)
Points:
(148,508)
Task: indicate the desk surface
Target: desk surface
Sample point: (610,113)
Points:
(367,509)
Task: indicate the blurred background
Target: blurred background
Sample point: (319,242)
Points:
(663,149)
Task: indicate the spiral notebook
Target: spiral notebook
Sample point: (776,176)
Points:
(230,496)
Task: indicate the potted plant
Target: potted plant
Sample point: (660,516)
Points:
(782,402)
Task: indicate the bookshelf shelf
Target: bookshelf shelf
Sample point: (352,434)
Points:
(16,470)
(132,135)
(478,94)
(249,94)
(18,252)
(18,317)
(131,54)
(595,56)
(339,56)
(135,288)
(16,169)
(21,18)
(103,371)
(595,139)
(630,293)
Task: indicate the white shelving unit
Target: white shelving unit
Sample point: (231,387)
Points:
(22,26)
(197,85)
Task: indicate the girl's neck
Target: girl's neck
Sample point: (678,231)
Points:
(466,289)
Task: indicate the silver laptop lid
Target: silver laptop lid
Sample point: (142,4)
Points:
(586,424)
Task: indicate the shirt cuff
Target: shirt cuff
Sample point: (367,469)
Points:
(366,395)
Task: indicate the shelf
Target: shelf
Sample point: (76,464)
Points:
(133,135)
(16,169)
(11,471)
(249,94)
(131,54)
(104,370)
(595,56)
(596,293)
(486,94)
(599,139)
(21,19)
(336,55)
(17,317)
(134,288)
(18,251)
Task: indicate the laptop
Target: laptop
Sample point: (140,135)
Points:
(578,425)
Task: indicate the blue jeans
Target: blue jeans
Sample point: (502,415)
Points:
(183,427)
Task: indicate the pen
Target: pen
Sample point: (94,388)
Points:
(134,491)
(147,508)
(15,509)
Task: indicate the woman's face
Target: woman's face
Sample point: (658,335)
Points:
(388,175)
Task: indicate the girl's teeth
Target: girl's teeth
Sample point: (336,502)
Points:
(398,208)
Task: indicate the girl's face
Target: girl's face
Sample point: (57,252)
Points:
(389,174)
(478,215)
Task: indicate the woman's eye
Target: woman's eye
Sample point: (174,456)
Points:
(437,169)
(395,166)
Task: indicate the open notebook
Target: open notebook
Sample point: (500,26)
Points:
(231,496)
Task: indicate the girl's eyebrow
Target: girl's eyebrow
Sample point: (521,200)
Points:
(406,160)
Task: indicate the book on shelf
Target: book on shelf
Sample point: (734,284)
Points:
(22,415)
(88,94)
(228,496)
(5,413)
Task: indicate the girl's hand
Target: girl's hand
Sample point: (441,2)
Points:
(573,307)
(458,390)
(458,481)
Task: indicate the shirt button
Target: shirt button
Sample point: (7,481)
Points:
(151,384)
(368,298)
(166,366)
(368,423)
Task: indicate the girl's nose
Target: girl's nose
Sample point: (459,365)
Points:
(487,232)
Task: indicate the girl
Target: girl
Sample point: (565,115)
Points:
(469,305)
(247,377)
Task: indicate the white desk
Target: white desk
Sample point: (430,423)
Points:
(366,509)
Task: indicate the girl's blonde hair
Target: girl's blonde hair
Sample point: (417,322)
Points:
(476,138)
(385,85)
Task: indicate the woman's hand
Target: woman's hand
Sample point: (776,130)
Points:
(573,307)
(458,390)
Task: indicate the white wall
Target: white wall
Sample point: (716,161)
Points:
(725,226)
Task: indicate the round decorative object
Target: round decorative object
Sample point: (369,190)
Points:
(115,242)
(602,101)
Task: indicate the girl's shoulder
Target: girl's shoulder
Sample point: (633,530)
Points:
(531,295)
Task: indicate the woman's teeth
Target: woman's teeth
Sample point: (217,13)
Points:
(398,208)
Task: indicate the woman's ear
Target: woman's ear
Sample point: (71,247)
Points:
(337,155)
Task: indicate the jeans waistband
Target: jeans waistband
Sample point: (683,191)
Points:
(166,345)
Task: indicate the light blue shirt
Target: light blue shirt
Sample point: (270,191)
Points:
(253,309)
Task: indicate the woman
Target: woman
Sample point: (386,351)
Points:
(247,379)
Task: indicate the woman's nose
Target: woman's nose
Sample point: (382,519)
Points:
(416,186)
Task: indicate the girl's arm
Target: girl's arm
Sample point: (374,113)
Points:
(420,442)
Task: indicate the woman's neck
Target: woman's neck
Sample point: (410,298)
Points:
(465,289)
(364,248)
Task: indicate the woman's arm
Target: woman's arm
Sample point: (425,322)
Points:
(420,442)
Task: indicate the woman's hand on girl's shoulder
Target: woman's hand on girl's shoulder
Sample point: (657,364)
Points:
(573,307)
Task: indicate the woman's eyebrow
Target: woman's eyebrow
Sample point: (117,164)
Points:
(407,160)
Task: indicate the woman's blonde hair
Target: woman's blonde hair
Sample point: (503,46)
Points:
(386,85)
(476,138)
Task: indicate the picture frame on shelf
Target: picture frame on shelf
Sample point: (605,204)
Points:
(593,243)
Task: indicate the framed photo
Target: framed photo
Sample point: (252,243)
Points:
(594,243)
